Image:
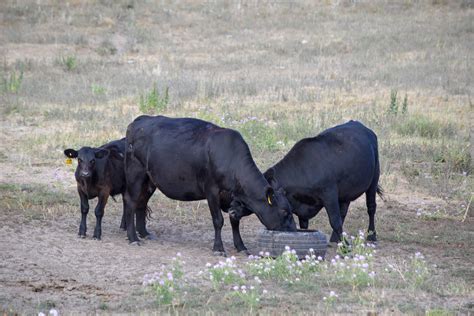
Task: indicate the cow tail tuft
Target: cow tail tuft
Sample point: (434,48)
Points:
(148,212)
(380,192)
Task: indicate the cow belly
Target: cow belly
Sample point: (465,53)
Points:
(177,184)
(353,186)
(181,193)
(176,171)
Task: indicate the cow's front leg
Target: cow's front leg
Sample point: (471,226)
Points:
(235,222)
(99,213)
(331,204)
(218,221)
(344,206)
(84,211)
(308,212)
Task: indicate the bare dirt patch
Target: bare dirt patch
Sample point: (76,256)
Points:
(44,263)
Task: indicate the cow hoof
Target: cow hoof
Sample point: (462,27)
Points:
(96,238)
(82,236)
(135,243)
(220,253)
(372,236)
(151,237)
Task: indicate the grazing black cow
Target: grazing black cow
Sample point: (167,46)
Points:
(99,173)
(330,170)
(189,159)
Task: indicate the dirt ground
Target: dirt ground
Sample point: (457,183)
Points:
(44,260)
(44,264)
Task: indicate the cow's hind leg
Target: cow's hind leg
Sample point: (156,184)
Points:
(343,206)
(84,212)
(136,183)
(371,208)
(147,191)
(218,221)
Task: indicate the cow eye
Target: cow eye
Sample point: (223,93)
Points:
(92,161)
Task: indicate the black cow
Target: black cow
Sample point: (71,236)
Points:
(330,170)
(99,173)
(189,159)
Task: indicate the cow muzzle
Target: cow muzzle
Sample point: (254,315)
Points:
(85,174)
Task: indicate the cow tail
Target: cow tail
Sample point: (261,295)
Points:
(380,192)
(148,212)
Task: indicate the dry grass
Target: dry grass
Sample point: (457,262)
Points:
(277,72)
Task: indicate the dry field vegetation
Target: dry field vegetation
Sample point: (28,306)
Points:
(75,73)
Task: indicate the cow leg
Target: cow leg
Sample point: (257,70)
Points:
(123,222)
(331,204)
(308,212)
(238,242)
(130,217)
(344,206)
(148,190)
(136,182)
(99,213)
(371,208)
(84,211)
(218,221)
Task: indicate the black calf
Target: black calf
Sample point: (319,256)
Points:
(99,173)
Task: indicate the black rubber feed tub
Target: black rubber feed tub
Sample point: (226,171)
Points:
(274,242)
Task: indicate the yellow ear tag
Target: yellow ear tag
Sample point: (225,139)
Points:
(68,161)
(269,200)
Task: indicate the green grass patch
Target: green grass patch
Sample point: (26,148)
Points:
(259,134)
(154,102)
(68,62)
(33,195)
(11,81)
(423,126)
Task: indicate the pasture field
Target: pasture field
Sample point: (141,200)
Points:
(76,73)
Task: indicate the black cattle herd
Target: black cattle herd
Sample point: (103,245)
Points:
(189,159)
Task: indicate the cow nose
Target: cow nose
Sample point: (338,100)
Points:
(85,173)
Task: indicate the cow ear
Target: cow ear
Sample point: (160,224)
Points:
(270,176)
(71,153)
(116,154)
(270,195)
(101,153)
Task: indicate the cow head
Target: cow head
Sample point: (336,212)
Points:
(272,209)
(304,212)
(275,211)
(86,158)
